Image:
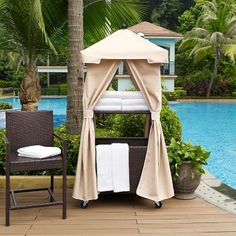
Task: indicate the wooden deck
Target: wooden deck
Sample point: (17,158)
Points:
(120,215)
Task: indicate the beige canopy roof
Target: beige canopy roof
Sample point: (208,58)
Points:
(124,44)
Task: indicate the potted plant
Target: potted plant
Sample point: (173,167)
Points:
(186,162)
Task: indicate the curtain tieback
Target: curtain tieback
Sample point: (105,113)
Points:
(88,114)
(155,115)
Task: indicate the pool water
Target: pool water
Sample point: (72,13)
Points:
(211,125)
(58,105)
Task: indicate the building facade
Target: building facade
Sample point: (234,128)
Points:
(162,37)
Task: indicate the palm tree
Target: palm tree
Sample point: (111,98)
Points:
(75,67)
(214,34)
(23,31)
(101,17)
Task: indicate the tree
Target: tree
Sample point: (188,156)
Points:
(166,12)
(101,17)
(188,20)
(214,34)
(23,32)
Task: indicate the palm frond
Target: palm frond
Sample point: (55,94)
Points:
(103,17)
(230,51)
(199,53)
(23,27)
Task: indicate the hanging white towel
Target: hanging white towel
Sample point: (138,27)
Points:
(104,168)
(120,167)
(38,151)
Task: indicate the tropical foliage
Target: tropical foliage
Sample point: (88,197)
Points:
(24,32)
(214,35)
(166,12)
(32,29)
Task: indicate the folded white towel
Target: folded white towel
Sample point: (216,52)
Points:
(131,95)
(107,108)
(104,171)
(109,101)
(133,101)
(112,94)
(120,167)
(135,108)
(122,94)
(38,151)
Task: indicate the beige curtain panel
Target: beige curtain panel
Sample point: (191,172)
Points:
(155,182)
(97,80)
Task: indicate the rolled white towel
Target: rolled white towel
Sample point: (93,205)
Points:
(135,108)
(107,108)
(38,151)
(131,102)
(104,170)
(109,102)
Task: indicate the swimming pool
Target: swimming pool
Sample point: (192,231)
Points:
(211,125)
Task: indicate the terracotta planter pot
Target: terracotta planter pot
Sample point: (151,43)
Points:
(187,182)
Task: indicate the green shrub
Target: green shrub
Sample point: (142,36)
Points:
(164,100)
(106,133)
(73,142)
(179,88)
(234,94)
(58,85)
(5,105)
(171,125)
(181,93)
(198,83)
(54,91)
(127,125)
(171,96)
(232,85)
(5,84)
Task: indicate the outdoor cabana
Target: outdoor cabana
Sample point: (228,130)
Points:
(142,59)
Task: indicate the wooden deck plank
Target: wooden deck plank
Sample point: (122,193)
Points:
(120,215)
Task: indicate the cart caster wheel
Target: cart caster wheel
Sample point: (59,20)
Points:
(84,204)
(158,204)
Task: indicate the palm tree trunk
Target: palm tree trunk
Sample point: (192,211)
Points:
(213,76)
(75,67)
(30,90)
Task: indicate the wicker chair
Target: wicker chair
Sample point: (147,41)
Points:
(25,128)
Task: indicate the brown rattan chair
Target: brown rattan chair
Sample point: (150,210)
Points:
(25,128)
